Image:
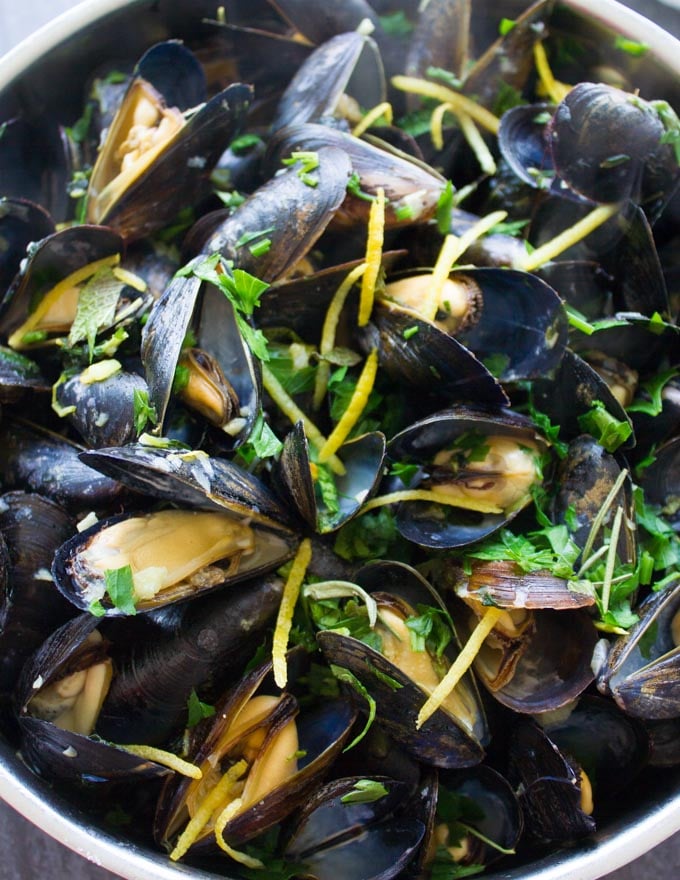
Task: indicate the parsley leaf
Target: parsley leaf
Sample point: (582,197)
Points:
(365,791)
(121,589)
(143,410)
(347,677)
(444,208)
(609,431)
(196,710)
(96,310)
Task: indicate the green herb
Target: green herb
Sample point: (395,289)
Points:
(243,291)
(657,537)
(80,129)
(609,431)
(391,683)
(445,76)
(34,336)
(417,123)
(443,867)
(161,442)
(396,24)
(429,630)
(182,221)
(115,77)
(354,188)
(444,208)
(496,364)
(249,237)
(291,366)
(309,161)
(507,97)
(197,711)
(408,332)
(505,25)
(404,471)
(320,682)
(371,536)
(404,212)
(508,227)
(470,447)
(365,791)
(121,589)
(542,118)
(143,410)
(96,608)
(261,655)
(347,677)
(261,248)
(614,161)
(348,617)
(543,178)
(230,200)
(262,443)
(341,388)
(630,47)
(327,490)
(654,387)
(550,431)
(671,124)
(180,379)
(244,143)
(97,304)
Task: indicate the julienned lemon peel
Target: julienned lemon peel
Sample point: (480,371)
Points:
(284,621)
(167,759)
(355,408)
(372,115)
(221,823)
(569,237)
(431,496)
(293,412)
(211,802)
(451,251)
(460,665)
(374,250)
(554,89)
(476,143)
(330,326)
(442,93)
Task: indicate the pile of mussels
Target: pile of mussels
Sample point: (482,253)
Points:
(324,305)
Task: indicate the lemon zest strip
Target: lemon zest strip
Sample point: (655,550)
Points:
(354,409)
(167,759)
(437,124)
(129,278)
(384,109)
(290,409)
(477,143)
(221,823)
(460,665)
(430,495)
(291,591)
(374,245)
(554,89)
(442,93)
(567,238)
(206,808)
(452,249)
(330,326)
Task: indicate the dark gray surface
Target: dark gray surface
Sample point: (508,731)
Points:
(26,852)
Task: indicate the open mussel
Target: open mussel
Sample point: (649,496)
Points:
(480,465)
(400,677)
(261,757)
(229,528)
(162,143)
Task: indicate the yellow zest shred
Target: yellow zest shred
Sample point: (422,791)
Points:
(130,279)
(330,326)
(554,89)
(566,239)
(290,409)
(291,591)
(374,245)
(477,143)
(384,109)
(452,249)
(459,102)
(432,496)
(167,759)
(100,371)
(240,857)
(437,125)
(49,300)
(460,665)
(354,409)
(211,802)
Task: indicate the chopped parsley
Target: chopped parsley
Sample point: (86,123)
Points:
(144,411)
(365,791)
(121,589)
(196,710)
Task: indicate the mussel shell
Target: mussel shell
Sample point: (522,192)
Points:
(273,546)
(641,670)
(21,222)
(661,480)
(430,525)
(19,375)
(370,841)
(549,786)
(363,459)
(193,479)
(322,733)
(37,460)
(429,359)
(105,410)
(309,210)
(211,639)
(442,741)
(336,19)
(186,304)
(348,63)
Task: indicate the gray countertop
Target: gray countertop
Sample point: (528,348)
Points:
(25,851)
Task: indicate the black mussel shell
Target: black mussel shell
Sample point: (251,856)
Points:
(661,480)
(19,376)
(21,222)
